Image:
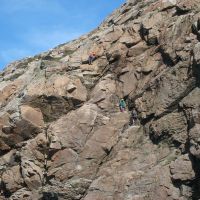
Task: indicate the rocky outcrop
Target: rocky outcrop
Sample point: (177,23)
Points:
(61,133)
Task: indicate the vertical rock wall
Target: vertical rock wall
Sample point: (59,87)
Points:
(62,135)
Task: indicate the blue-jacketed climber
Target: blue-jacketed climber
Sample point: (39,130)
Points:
(122,105)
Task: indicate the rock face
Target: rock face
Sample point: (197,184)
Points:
(62,135)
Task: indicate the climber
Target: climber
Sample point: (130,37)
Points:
(122,105)
(134,116)
(91,57)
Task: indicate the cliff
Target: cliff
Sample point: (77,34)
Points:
(62,135)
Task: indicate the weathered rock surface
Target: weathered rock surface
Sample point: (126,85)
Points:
(62,135)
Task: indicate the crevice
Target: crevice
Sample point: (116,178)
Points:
(147,119)
(180,12)
(4,152)
(107,151)
(174,105)
(46,155)
(190,124)
(152,41)
(196,69)
(144,32)
(4,190)
(168,8)
(49,196)
(179,185)
(196,182)
(163,138)
(195,161)
(166,57)
(196,28)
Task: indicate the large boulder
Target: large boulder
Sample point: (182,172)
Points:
(182,170)
(12,179)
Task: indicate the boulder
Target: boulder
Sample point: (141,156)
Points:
(23,194)
(181,169)
(32,174)
(32,115)
(12,179)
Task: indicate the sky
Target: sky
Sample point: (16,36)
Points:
(29,27)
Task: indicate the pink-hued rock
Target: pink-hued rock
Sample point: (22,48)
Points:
(62,134)
(32,115)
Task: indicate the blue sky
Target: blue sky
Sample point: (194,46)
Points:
(29,27)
